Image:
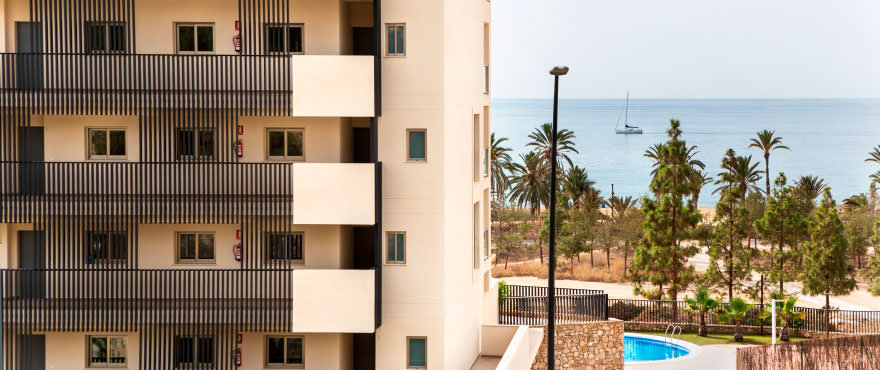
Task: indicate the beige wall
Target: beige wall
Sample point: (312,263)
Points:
(325,137)
(332,86)
(327,193)
(65,351)
(333,301)
(65,137)
(322,350)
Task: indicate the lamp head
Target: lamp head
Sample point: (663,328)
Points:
(559,71)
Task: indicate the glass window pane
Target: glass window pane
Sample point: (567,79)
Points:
(117,38)
(417,145)
(276,143)
(206,38)
(98,353)
(118,246)
(185,347)
(117,142)
(294,351)
(206,246)
(416,352)
(390,40)
(187,246)
(294,144)
(117,350)
(276,247)
(206,143)
(95,34)
(295,39)
(206,350)
(391,248)
(400,248)
(296,246)
(275,39)
(275,351)
(400,42)
(97,246)
(98,140)
(186,40)
(185,143)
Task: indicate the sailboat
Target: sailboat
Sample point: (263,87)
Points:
(627,129)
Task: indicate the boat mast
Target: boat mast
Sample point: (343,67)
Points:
(626,111)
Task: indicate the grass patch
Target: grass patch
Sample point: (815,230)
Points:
(719,338)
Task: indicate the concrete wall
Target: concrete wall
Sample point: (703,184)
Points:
(333,301)
(334,193)
(332,86)
(69,350)
(594,345)
(322,350)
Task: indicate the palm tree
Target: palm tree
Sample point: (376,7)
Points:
(856,202)
(808,188)
(541,144)
(529,185)
(500,156)
(786,315)
(622,206)
(767,142)
(875,178)
(735,313)
(874,156)
(576,185)
(702,304)
(746,175)
(699,178)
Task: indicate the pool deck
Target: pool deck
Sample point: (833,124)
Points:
(716,357)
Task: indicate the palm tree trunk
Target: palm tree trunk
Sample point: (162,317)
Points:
(767,175)
(703,330)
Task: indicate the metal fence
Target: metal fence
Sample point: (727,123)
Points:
(527,305)
(852,352)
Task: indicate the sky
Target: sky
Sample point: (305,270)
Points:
(709,49)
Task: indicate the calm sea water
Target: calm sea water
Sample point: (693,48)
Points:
(828,138)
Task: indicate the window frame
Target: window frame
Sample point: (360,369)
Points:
(196,260)
(395,262)
(408,143)
(109,260)
(90,364)
(275,261)
(195,352)
(286,157)
(287,27)
(396,53)
(285,365)
(408,359)
(195,26)
(196,156)
(106,49)
(108,156)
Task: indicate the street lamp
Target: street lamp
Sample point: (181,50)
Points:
(551,276)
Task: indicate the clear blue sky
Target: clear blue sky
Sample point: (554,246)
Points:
(688,48)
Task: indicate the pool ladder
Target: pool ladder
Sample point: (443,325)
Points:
(667,335)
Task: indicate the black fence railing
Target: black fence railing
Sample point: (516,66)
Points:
(125,300)
(539,291)
(527,305)
(673,312)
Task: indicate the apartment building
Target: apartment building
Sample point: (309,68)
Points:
(244,184)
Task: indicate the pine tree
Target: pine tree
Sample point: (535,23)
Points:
(729,259)
(826,268)
(872,269)
(780,225)
(661,259)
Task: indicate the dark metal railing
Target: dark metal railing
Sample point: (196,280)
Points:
(540,291)
(569,309)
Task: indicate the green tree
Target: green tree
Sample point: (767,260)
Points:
(729,260)
(702,303)
(766,141)
(780,225)
(529,186)
(807,189)
(541,144)
(734,313)
(827,270)
(872,270)
(786,315)
(501,166)
(858,231)
(874,155)
(661,259)
(628,220)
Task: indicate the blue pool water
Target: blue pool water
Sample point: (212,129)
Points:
(637,349)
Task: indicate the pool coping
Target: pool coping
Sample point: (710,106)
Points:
(693,349)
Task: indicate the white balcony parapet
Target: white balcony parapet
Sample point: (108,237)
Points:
(333,301)
(332,86)
(334,193)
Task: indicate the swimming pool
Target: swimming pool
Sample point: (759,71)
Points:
(641,348)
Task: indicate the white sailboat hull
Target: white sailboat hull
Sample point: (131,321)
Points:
(628,131)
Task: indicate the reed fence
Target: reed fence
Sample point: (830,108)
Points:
(848,352)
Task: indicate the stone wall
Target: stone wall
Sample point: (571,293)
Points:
(589,346)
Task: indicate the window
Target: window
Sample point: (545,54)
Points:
(195,247)
(196,144)
(396,39)
(193,350)
(195,38)
(285,144)
(284,247)
(477,235)
(106,246)
(105,37)
(286,352)
(416,145)
(106,143)
(476,147)
(107,351)
(396,246)
(284,38)
(416,352)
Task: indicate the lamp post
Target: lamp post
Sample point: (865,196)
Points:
(551,276)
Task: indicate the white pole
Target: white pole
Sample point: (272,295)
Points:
(773,319)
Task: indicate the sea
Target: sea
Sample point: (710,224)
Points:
(829,138)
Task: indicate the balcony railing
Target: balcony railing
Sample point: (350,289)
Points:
(86,83)
(168,191)
(125,299)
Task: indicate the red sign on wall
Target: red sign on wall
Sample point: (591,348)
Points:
(240,130)
(237,25)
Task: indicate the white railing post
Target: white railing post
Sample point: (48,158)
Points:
(773,323)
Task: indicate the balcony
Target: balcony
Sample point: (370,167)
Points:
(299,85)
(198,192)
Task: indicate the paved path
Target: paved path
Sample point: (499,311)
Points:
(715,357)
